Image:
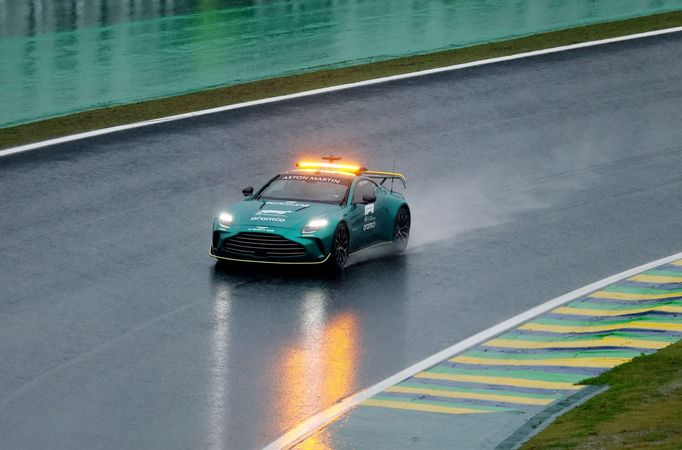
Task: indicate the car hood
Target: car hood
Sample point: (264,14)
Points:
(280,213)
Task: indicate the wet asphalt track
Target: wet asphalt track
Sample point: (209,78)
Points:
(528,179)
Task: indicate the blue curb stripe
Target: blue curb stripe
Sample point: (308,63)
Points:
(566,351)
(495,387)
(597,319)
(586,371)
(597,334)
(457,401)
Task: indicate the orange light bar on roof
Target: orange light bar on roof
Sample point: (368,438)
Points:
(324,165)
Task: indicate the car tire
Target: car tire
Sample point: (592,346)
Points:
(401,229)
(338,256)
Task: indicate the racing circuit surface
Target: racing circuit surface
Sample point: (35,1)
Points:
(527,179)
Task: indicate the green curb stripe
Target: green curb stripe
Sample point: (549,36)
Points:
(664,273)
(438,387)
(445,404)
(554,355)
(583,304)
(605,322)
(640,290)
(519,374)
(515,336)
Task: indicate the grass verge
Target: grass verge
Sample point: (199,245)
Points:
(642,409)
(118,115)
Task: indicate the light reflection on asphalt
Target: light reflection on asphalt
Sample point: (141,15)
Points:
(220,369)
(316,361)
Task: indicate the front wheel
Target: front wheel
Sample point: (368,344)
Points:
(401,229)
(340,249)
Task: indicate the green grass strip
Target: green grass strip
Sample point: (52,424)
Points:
(553,355)
(642,409)
(119,115)
(438,387)
(446,404)
(520,374)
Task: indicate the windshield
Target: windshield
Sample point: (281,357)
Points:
(310,188)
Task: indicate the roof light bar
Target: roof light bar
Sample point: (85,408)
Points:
(324,165)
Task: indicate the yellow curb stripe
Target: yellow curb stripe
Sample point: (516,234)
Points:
(422,407)
(608,341)
(472,395)
(656,278)
(627,296)
(562,362)
(615,312)
(640,325)
(502,381)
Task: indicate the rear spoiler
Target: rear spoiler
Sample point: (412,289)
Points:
(383,176)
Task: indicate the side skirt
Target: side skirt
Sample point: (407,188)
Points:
(378,244)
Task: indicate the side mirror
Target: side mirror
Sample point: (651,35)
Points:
(369,198)
(247,191)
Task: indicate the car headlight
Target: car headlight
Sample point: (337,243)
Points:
(225,219)
(314,225)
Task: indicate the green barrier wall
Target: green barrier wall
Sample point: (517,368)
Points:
(59,57)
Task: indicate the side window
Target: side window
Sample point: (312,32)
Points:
(363,187)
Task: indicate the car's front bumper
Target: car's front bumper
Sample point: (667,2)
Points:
(213,254)
(272,247)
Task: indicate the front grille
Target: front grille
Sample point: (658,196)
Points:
(263,245)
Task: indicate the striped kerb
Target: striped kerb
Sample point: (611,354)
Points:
(544,360)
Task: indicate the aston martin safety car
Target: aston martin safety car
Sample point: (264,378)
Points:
(317,214)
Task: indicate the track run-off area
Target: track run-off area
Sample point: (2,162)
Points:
(65,56)
(527,179)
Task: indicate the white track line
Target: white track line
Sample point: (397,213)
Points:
(74,137)
(318,421)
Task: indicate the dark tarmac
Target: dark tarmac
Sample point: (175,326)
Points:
(527,179)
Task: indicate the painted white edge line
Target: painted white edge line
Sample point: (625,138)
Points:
(320,420)
(74,137)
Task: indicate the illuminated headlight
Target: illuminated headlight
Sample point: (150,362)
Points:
(225,219)
(314,225)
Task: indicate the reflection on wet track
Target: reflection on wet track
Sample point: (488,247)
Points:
(217,394)
(117,330)
(317,358)
(322,368)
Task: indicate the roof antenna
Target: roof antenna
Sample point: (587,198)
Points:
(331,158)
(395,157)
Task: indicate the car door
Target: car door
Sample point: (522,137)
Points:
(364,225)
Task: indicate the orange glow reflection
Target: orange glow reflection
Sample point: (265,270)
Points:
(318,441)
(318,371)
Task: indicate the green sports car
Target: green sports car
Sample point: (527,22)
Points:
(319,213)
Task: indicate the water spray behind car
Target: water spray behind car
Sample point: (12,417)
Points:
(444,209)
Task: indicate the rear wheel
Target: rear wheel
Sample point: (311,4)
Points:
(401,229)
(340,249)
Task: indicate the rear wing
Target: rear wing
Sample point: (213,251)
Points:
(383,176)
